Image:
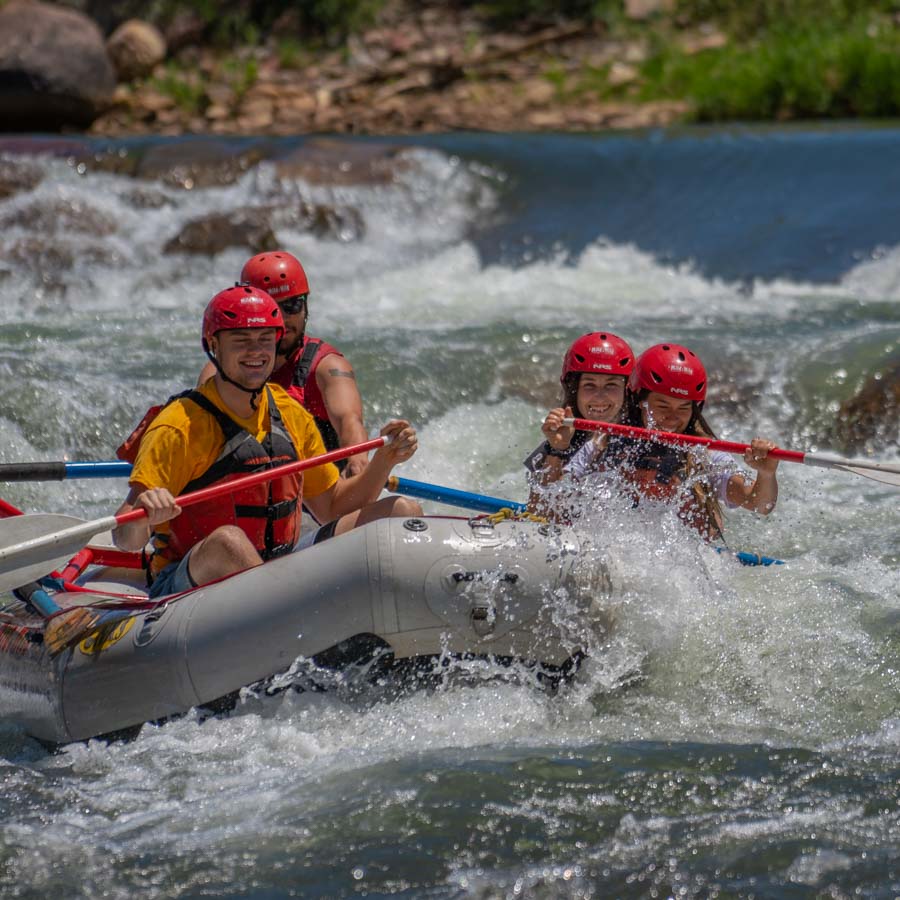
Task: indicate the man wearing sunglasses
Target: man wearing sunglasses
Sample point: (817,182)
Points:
(312,371)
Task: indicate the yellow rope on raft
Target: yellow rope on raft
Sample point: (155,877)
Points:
(507,513)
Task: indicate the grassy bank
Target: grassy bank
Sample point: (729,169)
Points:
(822,66)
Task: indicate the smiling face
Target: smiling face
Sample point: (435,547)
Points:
(246,355)
(666,413)
(600,397)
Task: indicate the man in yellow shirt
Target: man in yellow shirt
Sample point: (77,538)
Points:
(232,425)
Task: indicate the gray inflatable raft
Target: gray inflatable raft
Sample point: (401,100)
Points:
(415,588)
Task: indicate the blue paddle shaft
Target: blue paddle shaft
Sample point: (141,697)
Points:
(60,471)
(451,496)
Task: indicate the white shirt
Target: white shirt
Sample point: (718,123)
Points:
(719,465)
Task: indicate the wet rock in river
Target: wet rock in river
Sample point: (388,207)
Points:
(17,175)
(197,164)
(870,420)
(340,223)
(209,235)
(333,162)
(54,70)
(59,216)
(143,198)
(254,228)
(47,261)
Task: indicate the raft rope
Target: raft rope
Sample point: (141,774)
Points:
(518,515)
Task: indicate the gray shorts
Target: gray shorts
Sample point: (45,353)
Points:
(173,579)
(315,536)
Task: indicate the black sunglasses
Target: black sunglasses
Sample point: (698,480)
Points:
(293,305)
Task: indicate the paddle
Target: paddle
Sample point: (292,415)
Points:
(46,541)
(485,503)
(60,470)
(886,473)
(450,496)
(63,626)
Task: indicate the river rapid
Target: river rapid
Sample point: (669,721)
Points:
(738,735)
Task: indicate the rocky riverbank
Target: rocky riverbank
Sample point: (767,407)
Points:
(406,67)
(423,67)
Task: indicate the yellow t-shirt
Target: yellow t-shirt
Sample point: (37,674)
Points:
(183,441)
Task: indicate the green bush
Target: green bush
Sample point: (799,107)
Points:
(185,88)
(746,18)
(811,72)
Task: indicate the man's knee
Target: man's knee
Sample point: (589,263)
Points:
(229,538)
(225,550)
(405,506)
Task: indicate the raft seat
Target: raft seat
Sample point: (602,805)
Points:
(114,580)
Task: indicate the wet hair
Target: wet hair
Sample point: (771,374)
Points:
(570,391)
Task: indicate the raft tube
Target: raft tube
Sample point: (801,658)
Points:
(421,587)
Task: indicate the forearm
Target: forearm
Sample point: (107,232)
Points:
(131,536)
(763,494)
(351,494)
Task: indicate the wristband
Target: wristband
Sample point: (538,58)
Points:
(559,454)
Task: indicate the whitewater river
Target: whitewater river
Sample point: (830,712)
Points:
(738,736)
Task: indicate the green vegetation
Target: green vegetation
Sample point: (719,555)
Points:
(241,74)
(184,87)
(791,73)
(292,53)
(744,19)
(189,91)
(781,59)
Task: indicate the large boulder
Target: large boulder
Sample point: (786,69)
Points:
(211,234)
(870,420)
(328,161)
(54,70)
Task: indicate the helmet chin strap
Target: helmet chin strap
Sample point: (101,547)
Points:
(253,392)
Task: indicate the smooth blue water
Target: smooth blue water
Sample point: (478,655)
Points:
(739,734)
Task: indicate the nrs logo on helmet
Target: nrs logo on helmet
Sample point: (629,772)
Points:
(241,306)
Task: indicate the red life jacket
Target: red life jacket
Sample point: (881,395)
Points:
(658,472)
(297,375)
(269,514)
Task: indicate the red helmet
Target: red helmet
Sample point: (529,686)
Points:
(670,369)
(599,351)
(241,306)
(278,273)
